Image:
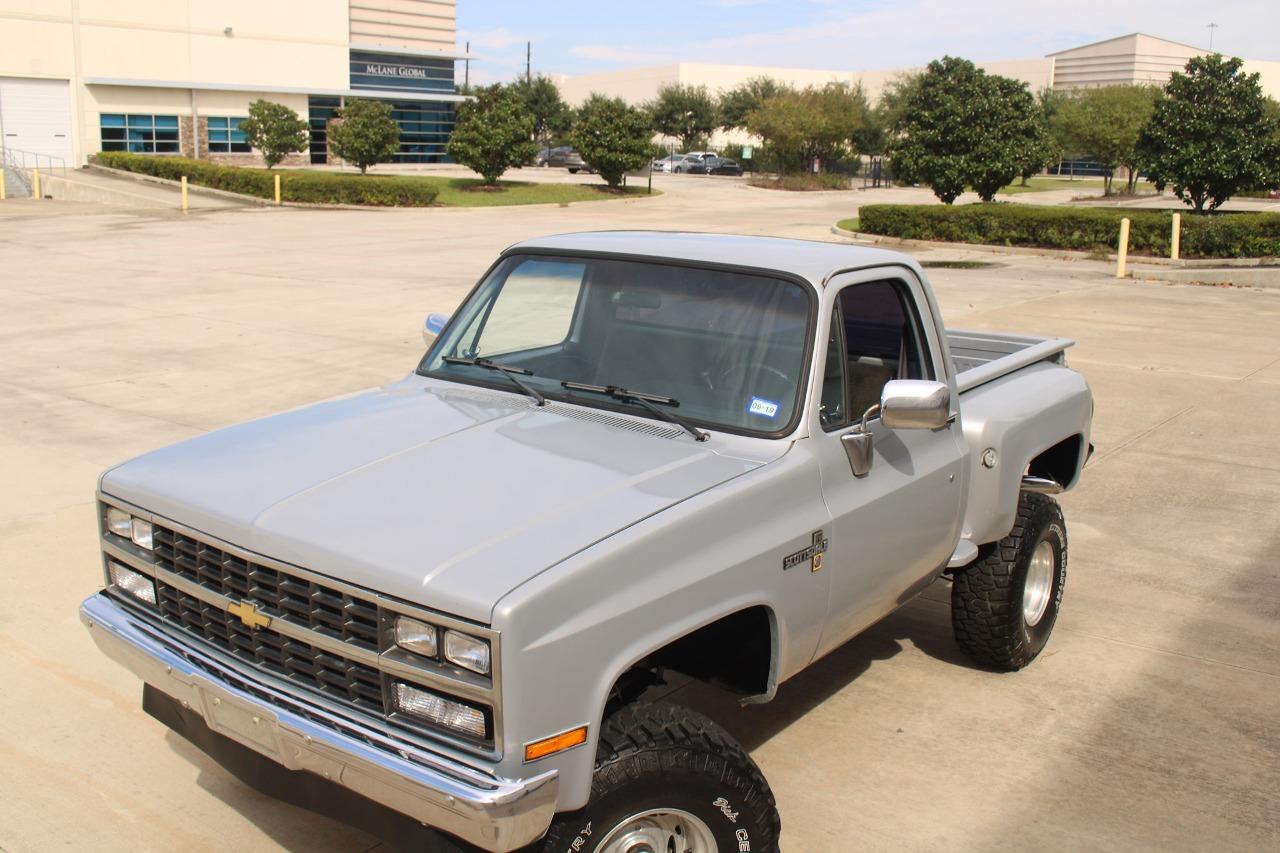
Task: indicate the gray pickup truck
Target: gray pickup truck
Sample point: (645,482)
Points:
(625,456)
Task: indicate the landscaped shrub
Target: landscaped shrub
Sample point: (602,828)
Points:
(298,186)
(803,182)
(1228,235)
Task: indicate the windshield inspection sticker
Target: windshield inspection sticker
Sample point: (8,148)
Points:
(761,406)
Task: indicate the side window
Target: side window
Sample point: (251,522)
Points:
(535,308)
(878,334)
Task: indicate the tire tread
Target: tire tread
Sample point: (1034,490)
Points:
(983,597)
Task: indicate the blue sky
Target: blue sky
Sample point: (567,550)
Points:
(578,36)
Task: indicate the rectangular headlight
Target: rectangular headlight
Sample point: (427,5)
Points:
(119,522)
(466,651)
(123,524)
(417,637)
(436,709)
(136,584)
(141,534)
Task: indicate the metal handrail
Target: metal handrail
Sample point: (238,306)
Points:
(16,158)
(8,163)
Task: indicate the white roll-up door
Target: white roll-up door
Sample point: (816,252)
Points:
(35,116)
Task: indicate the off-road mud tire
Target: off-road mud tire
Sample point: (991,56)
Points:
(664,756)
(986,597)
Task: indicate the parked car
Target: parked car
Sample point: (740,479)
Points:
(715,166)
(458,594)
(568,158)
(540,159)
(668,163)
(693,161)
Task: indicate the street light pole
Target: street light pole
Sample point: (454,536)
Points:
(1212,27)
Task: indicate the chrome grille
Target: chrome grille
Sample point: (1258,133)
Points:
(278,594)
(298,661)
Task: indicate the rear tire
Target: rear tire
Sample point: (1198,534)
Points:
(668,775)
(1004,606)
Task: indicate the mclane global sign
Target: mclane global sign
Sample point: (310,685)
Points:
(381,69)
(391,72)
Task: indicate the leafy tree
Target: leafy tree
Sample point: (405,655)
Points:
(1011,139)
(739,102)
(542,101)
(1103,125)
(364,133)
(612,138)
(1045,149)
(493,132)
(799,126)
(275,130)
(1210,135)
(961,127)
(893,100)
(685,112)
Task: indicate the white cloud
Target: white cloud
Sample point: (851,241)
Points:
(911,32)
(622,54)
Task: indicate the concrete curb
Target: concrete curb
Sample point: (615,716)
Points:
(1071,254)
(191,188)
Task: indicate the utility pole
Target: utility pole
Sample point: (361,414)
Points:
(1212,27)
(528,62)
(466,69)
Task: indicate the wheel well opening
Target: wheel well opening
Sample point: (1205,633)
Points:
(734,653)
(1058,463)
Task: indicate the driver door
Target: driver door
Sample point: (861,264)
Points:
(893,528)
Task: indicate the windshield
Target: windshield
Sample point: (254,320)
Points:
(728,347)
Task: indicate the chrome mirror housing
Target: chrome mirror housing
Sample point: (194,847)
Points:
(915,404)
(432,327)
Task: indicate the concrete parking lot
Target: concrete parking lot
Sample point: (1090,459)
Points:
(1152,721)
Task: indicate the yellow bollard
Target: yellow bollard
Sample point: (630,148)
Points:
(184,194)
(2,190)
(1175,242)
(1124,247)
(277,190)
(38,194)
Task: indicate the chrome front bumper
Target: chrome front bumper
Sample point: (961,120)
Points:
(495,814)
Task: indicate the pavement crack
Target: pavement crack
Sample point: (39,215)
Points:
(1246,377)
(1134,438)
(1188,656)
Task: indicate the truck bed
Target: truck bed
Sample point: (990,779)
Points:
(982,357)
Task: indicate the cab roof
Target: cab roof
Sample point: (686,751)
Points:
(813,260)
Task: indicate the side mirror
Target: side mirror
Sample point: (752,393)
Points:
(432,327)
(915,404)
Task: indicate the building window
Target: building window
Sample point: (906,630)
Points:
(139,134)
(226,137)
(320,110)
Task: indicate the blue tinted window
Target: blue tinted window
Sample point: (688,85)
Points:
(226,137)
(140,134)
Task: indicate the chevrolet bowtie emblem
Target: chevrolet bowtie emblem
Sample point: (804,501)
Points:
(249,615)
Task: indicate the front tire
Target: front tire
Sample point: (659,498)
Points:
(667,778)
(1004,606)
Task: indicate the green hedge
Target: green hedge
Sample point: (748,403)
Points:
(298,186)
(1223,235)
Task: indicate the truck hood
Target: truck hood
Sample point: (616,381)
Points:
(444,495)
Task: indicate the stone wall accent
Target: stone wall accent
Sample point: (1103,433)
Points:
(186,144)
(202,137)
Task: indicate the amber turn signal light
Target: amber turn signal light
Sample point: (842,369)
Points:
(555,743)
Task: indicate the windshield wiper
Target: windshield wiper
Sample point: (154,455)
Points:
(646,400)
(506,370)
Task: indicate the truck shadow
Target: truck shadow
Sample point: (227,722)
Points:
(924,623)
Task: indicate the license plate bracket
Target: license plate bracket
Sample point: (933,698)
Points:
(243,723)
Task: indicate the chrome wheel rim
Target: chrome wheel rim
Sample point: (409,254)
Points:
(660,831)
(1035,592)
